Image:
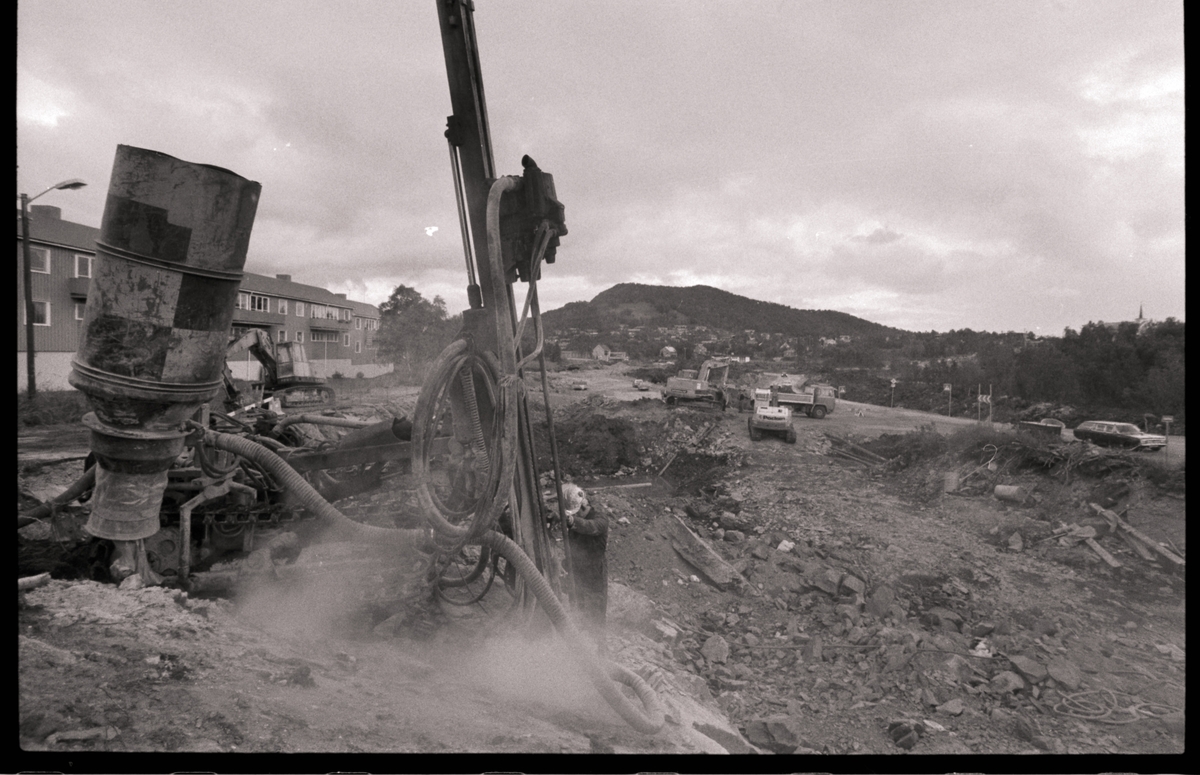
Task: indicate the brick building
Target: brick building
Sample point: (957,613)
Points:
(338,333)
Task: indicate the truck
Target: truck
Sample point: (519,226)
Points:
(770,417)
(286,372)
(814,400)
(705,385)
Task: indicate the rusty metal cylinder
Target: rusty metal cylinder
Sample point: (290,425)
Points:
(169,260)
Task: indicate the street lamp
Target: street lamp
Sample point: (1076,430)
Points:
(27,276)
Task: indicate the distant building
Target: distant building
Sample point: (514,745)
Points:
(667,352)
(338,333)
(600,352)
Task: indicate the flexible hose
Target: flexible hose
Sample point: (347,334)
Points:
(319,419)
(495,493)
(342,527)
(602,675)
(647,720)
(81,485)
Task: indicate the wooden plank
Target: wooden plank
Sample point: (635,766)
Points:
(1112,516)
(703,557)
(1104,555)
(1136,545)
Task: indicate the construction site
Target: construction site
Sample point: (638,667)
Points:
(206,568)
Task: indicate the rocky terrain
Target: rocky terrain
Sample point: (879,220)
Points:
(858,598)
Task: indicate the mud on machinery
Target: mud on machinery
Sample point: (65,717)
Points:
(177,483)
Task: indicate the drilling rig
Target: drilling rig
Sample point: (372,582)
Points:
(173,241)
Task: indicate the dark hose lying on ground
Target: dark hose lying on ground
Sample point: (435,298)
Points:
(81,485)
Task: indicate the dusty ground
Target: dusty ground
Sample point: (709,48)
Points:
(928,616)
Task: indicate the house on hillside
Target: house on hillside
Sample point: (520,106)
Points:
(667,352)
(618,355)
(701,349)
(601,352)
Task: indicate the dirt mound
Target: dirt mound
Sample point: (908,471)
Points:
(592,444)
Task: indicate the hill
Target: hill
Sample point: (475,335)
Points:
(634,304)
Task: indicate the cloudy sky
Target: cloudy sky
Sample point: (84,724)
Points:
(928,165)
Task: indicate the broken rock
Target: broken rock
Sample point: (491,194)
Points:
(779,734)
(735,536)
(731,521)
(1065,673)
(1030,668)
(715,649)
(905,733)
(1006,682)
(880,600)
(953,708)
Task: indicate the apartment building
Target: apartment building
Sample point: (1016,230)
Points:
(338,334)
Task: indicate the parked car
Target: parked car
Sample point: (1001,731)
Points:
(1119,434)
(579,384)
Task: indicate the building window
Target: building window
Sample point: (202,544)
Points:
(300,337)
(243,301)
(80,308)
(83,266)
(346,315)
(41,313)
(345,340)
(39,260)
(282,335)
(283,306)
(299,311)
(358,347)
(324,336)
(358,324)
(259,303)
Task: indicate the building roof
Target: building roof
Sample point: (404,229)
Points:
(46,225)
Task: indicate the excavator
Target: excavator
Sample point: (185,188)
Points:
(704,386)
(286,372)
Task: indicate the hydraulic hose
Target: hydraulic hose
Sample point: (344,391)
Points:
(342,527)
(647,720)
(456,357)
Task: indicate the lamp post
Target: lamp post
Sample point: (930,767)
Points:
(27,277)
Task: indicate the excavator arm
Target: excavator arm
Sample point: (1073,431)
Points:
(259,343)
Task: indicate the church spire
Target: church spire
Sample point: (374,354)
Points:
(1140,315)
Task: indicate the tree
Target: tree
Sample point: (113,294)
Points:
(412,329)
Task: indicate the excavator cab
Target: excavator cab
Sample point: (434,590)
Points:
(292,362)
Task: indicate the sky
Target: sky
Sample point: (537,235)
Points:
(1000,166)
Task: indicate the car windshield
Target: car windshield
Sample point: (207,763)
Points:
(1127,428)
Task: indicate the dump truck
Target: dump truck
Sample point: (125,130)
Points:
(705,385)
(770,417)
(814,400)
(286,372)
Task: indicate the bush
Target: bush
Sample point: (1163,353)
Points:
(51,408)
